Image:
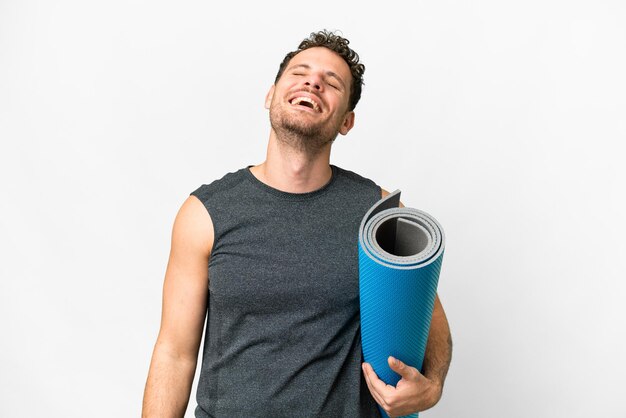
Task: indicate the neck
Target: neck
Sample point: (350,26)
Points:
(291,170)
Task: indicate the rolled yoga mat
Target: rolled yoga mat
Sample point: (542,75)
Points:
(400,254)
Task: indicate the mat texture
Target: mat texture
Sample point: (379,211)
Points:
(400,255)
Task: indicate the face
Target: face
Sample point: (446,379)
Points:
(309,103)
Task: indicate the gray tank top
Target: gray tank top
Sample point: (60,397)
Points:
(283,334)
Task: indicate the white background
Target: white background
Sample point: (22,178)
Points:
(504,120)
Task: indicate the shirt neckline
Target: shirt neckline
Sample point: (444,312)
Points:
(288,195)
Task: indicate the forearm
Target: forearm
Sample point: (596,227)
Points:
(439,347)
(168,385)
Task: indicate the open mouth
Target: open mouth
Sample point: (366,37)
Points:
(305,102)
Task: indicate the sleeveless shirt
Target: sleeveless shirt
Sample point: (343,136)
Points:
(283,333)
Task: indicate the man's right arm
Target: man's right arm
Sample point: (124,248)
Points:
(183,313)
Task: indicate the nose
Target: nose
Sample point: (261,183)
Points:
(316,86)
(314,81)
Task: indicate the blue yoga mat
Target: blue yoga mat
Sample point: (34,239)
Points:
(400,254)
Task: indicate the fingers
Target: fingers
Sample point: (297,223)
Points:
(404,370)
(380,390)
(411,394)
(380,386)
(366,372)
(385,395)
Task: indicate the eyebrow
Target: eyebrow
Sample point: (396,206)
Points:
(327,73)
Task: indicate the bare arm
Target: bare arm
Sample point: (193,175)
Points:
(439,348)
(184,309)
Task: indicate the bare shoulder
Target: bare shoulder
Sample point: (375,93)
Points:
(186,281)
(193,228)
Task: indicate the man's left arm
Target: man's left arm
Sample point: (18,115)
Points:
(416,392)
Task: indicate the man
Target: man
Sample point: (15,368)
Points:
(270,253)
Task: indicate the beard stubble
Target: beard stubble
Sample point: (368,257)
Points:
(305,136)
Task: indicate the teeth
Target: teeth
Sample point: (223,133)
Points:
(299,100)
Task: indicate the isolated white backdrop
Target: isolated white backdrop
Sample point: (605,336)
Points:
(505,120)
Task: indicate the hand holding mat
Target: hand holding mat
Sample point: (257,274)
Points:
(400,255)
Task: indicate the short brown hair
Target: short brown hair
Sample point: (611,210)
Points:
(339,45)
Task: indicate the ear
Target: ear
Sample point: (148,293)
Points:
(269,96)
(348,123)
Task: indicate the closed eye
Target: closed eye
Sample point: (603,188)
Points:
(332,81)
